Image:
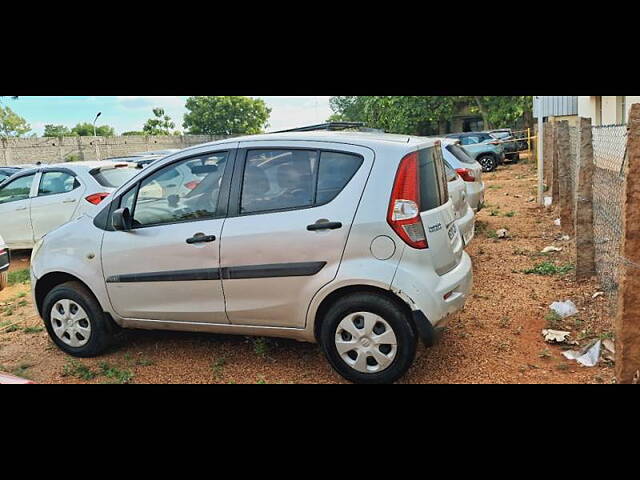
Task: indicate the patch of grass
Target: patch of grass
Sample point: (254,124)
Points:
(144,362)
(562,367)
(510,214)
(504,322)
(261,346)
(494,213)
(261,381)
(8,323)
(21,370)
(549,268)
(33,329)
(606,336)
(19,276)
(8,311)
(115,374)
(218,366)
(546,353)
(74,368)
(491,234)
(554,321)
(23,303)
(495,187)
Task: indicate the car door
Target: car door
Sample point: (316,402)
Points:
(58,193)
(290,213)
(166,268)
(15,220)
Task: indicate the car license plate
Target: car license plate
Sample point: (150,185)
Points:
(452,231)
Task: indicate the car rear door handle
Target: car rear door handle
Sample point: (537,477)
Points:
(201,238)
(324,226)
(69,201)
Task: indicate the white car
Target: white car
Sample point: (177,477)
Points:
(37,200)
(4,264)
(465,216)
(347,239)
(469,170)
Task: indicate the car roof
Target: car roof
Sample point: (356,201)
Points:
(364,139)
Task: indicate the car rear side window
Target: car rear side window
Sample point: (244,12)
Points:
(458,152)
(114,177)
(282,179)
(433,181)
(53,183)
(335,172)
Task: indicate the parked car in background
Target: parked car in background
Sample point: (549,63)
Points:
(522,140)
(37,200)
(509,143)
(6,172)
(5,260)
(469,170)
(465,216)
(348,239)
(483,148)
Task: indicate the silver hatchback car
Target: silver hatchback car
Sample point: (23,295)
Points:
(348,239)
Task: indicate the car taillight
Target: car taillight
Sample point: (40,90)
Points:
(495,143)
(404,211)
(96,198)
(466,174)
(191,185)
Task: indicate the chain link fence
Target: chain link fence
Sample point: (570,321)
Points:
(609,147)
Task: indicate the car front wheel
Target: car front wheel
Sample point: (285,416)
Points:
(368,339)
(488,162)
(75,322)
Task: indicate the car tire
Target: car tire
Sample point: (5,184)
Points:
(78,326)
(372,319)
(4,280)
(488,162)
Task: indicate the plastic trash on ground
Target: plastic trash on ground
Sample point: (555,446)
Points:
(588,356)
(557,336)
(548,201)
(564,309)
(556,222)
(551,249)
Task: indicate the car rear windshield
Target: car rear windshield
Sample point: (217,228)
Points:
(433,180)
(458,152)
(114,177)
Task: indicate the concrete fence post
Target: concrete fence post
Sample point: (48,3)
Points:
(627,323)
(585,246)
(555,185)
(547,150)
(565,193)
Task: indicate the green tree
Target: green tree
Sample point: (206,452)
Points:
(225,115)
(504,111)
(56,131)
(160,125)
(86,130)
(12,124)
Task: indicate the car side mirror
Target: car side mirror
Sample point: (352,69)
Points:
(122,220)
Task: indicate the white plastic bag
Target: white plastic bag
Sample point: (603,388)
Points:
(564,309)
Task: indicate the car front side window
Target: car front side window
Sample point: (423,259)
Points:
(17,190)
(183,191)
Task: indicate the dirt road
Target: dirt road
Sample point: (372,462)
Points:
(496,339)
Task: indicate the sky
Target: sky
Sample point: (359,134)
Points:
(130,113)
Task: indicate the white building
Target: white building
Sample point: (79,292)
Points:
(606,110)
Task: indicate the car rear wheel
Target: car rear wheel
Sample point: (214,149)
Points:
(75,322)
(488,162)
(368,339)
(4,280)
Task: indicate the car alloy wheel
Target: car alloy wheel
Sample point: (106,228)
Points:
(366,342)
(70,323)
(488,163)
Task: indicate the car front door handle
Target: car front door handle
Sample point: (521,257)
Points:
(324,226)
(201,238)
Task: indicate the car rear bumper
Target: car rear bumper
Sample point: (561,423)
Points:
(475,195)
(436,297)
(466,225)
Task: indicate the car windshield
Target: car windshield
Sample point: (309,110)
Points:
(500,135)
(114,177)
(458,152)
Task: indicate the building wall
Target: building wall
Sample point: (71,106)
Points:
(606,110)
(16,151)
